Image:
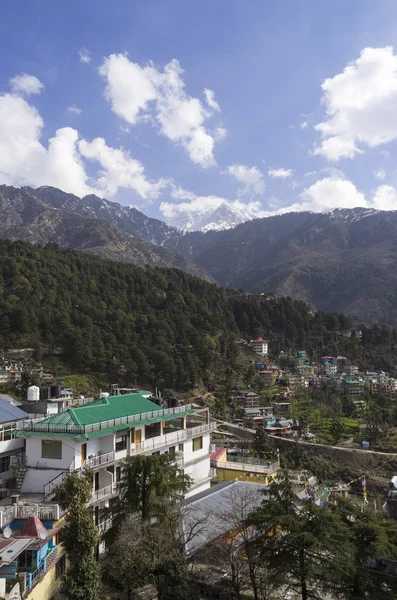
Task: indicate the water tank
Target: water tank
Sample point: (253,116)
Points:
(173,402)
(104,395)
(156,400)
(33,393)
(45,393)
(55,391)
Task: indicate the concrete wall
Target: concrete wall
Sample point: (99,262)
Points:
(198,470)
(47,587)
(34,457)
(35,479)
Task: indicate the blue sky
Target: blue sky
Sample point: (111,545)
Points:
(89,104)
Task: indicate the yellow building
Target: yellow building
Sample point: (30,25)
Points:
(243,468)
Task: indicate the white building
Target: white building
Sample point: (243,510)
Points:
(11,447)
(259,346)
(101,434)
(331,370)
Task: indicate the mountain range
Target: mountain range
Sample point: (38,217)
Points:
(344,260)
(223,217)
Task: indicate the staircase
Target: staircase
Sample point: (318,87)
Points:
(19,474)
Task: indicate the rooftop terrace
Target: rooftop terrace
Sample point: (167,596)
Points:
(111,413)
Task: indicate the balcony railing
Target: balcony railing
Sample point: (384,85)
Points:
(104,493)
(235,466)
(43,427)
(169,439)
(104,526)
(46,512)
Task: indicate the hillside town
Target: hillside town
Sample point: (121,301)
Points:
(53,433)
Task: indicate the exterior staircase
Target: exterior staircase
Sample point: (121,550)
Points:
(19,475)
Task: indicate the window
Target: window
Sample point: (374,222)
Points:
(181,447)
(121,442)
(118,473)
(60,567)
(4,464)
(51,449)
(198,443)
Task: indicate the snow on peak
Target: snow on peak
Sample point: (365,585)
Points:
(223,217)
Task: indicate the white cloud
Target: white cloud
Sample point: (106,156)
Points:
(84,56)
(328,193)
(24,160)
(304,125)
(380,174)
(202,204)
(337,147)
(385,198)
(210,99)
(251,178)
(26,84)
(144,93)
(361,104)
(332,192)
(119,170)
(280,173)
(219,134)
(75,110)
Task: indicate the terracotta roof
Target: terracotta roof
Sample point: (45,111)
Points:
(32,528)
(258,341)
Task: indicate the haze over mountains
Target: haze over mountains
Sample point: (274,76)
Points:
(344,260)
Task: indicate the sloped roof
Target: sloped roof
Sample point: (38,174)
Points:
(215,510)
(103,409)
(32,528)
(8,412)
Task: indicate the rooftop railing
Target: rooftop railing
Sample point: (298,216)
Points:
(42,427)
(235,466)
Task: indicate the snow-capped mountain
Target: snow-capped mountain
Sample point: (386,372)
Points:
(219,219)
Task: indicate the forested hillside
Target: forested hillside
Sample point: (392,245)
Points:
(154,326)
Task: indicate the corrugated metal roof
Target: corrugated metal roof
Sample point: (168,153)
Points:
(8,412)
(104,409)
(93,434)
(215,509)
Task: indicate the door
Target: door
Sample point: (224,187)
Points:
(83,453)
(138,436)
(96,481)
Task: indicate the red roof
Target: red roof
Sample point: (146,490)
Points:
(258,341)
(267,372)
(32,528)
(218,452)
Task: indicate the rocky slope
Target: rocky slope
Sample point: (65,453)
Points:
(49,215)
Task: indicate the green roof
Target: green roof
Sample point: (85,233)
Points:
(92,434)
(104,409)
(102,416)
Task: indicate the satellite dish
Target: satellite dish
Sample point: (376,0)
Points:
(7,532)
(43,533)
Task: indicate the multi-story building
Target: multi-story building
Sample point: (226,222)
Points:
(259,346)
(245,399)
(11,447)
(32,561)
(330,369)
(355,387)
(101,434)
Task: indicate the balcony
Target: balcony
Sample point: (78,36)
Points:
(104,493)
(265,469)
(104,526)
(151,445)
